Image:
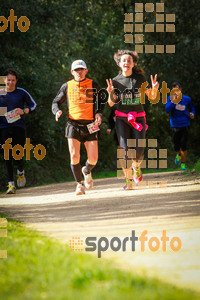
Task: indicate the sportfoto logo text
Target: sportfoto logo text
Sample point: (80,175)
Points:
(142,243)
(18,151)
(23,22)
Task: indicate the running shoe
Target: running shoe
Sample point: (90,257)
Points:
(137,177)
(11,189)
(21,179)
(88,182)
(80,189)
(183,167)
(178,159)
(128,185)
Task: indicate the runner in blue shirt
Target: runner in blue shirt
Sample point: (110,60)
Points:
(12,125)
(180,115)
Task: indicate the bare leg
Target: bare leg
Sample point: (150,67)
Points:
(183,156)
(74,150)
(128,173)
(92,152)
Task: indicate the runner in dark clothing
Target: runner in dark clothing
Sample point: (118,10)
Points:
(180,115)
(130,114)
(12,125)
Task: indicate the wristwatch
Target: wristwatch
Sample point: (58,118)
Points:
(24,110)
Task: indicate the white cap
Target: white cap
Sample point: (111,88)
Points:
(78,64)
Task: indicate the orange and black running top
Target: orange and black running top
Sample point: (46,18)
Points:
(82,99)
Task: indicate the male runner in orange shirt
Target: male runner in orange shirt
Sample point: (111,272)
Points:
(81,95)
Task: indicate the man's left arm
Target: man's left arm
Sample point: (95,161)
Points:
(191,109)
(31,104)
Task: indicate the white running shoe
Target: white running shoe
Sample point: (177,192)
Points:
(11,189)
(88,182)
(21,179)
(80,189)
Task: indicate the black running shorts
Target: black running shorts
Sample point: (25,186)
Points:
(79,132)
(180,137)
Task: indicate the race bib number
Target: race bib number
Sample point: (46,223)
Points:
(12,116)
(93,127)
(180,107)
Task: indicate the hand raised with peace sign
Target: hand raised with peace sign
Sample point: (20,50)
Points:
(154,83)
(110,85)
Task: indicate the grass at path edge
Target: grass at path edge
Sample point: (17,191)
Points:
(38,267)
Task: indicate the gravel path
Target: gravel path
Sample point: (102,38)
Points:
(172,204)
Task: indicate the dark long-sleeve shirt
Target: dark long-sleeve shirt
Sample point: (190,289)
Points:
(16,99)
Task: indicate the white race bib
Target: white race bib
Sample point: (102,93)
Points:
(12,116)
(93,127)
(180,107)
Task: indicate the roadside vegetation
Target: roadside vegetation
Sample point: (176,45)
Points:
(37,267)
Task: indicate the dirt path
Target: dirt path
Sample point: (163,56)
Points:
(108,211)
